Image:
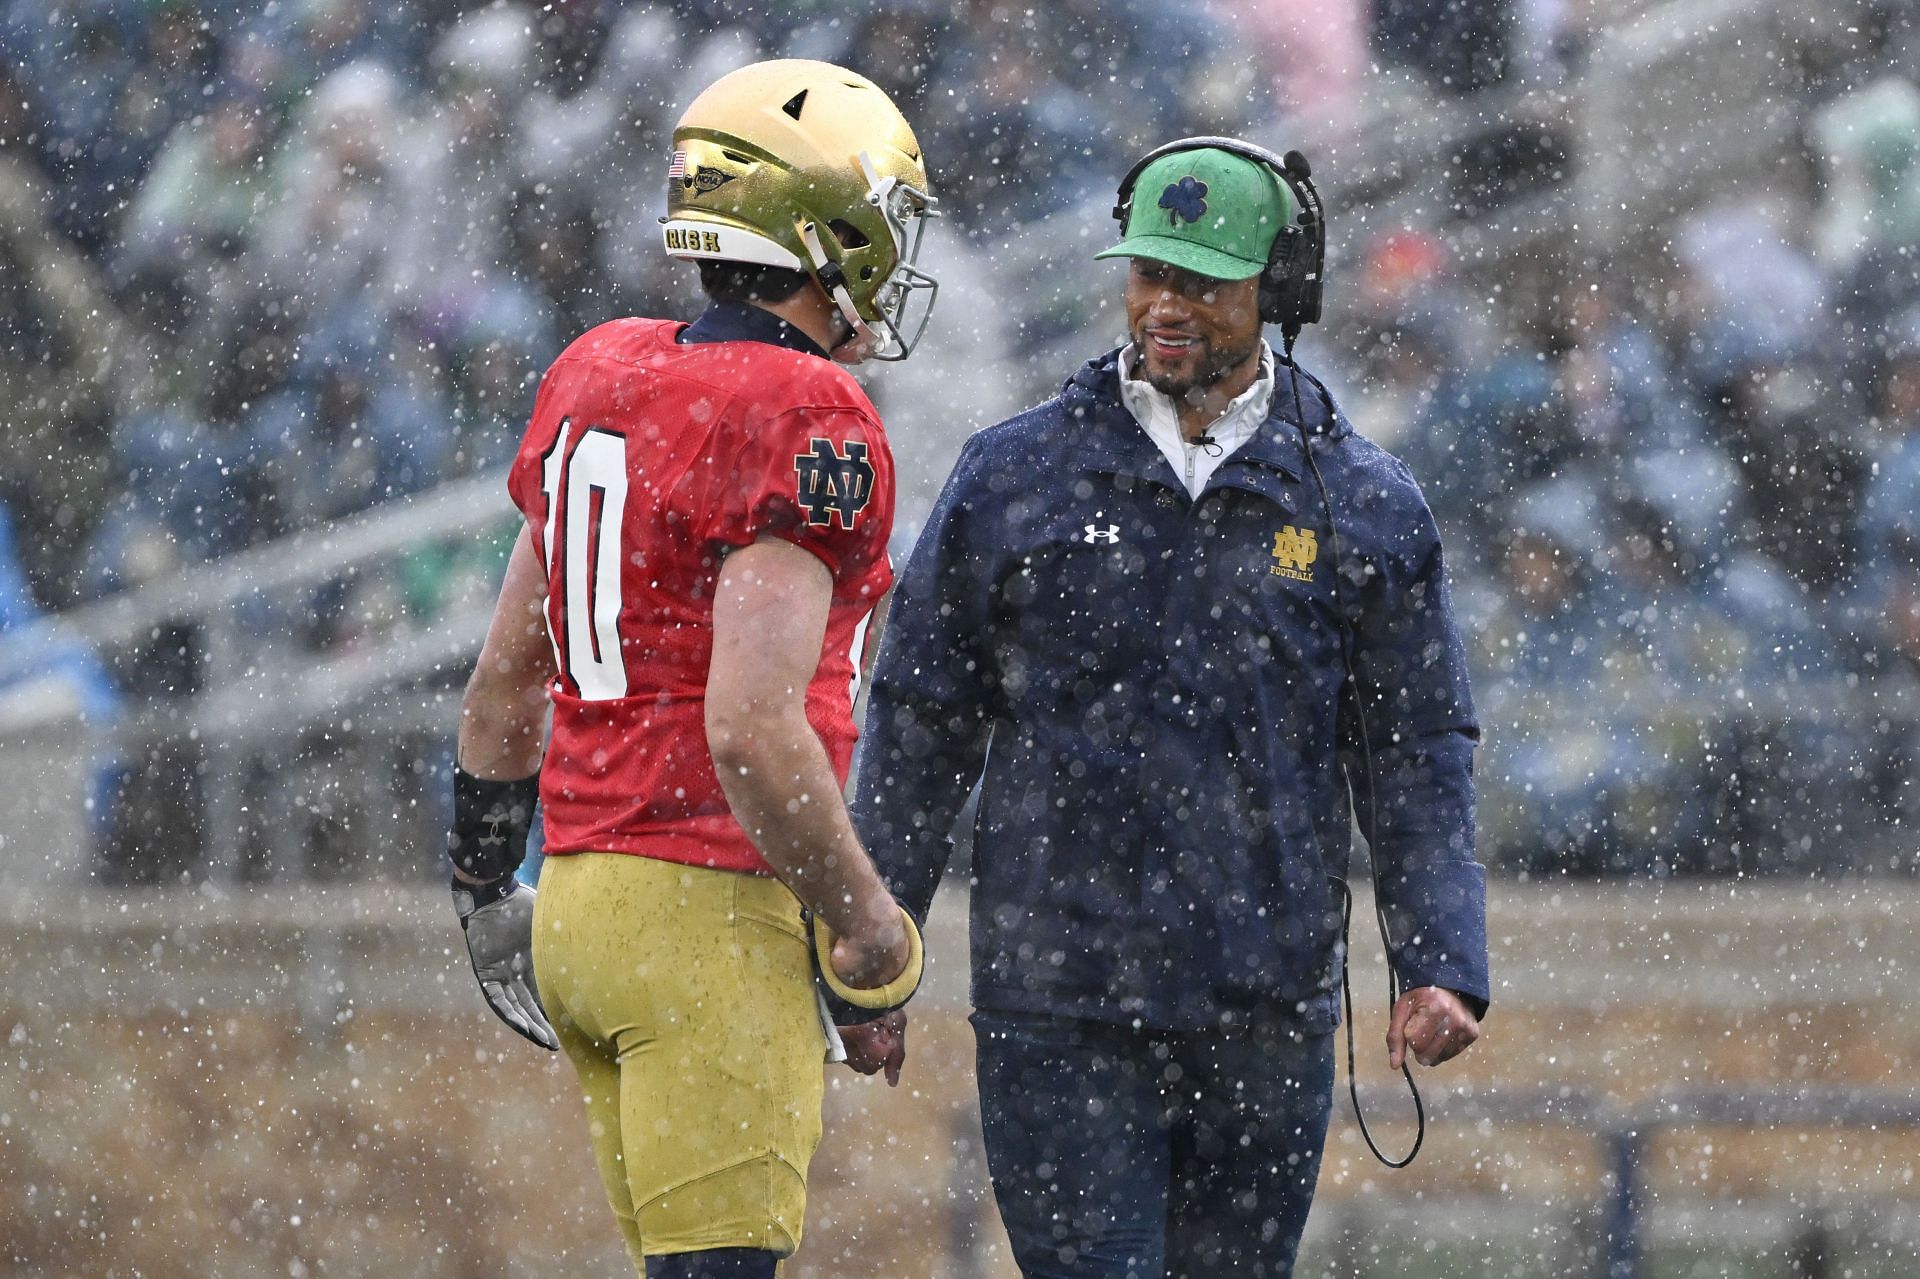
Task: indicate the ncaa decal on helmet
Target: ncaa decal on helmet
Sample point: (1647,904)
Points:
(808,166)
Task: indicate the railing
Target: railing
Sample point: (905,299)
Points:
(340,964)
(262,693)
(1625,1133)
(304,559)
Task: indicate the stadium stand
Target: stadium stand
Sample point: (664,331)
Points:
(265,268)
(1632,285)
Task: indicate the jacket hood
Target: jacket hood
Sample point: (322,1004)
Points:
(1096,386)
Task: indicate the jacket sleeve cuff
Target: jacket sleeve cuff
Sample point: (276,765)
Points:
(1437,916)
(1468,985)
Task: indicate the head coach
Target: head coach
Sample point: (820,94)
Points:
(1169,621)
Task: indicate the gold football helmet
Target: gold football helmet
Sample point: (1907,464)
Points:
(805,165)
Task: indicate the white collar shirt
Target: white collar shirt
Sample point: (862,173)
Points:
(1195,463)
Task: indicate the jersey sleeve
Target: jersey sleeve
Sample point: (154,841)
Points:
(821,478)
(524,476)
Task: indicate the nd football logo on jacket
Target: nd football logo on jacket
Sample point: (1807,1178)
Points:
(833,482)
(1294,551)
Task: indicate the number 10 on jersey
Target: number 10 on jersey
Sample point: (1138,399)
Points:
(585,485)
(586,492)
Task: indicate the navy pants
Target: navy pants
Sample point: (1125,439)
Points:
(1129,1154)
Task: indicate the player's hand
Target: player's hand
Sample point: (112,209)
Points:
(875,956)
(880,1044)
(863,977)
(1433,1023)
(498,921)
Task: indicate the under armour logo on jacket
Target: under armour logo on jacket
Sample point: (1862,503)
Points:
(1111,533)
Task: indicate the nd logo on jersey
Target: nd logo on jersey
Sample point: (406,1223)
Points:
(834,482)
(1294,551)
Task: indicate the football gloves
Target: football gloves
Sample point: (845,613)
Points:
(857,1005)
(498,921)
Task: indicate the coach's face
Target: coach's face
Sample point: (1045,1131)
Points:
(1191,330)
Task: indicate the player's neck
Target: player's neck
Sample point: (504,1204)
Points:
(813,313)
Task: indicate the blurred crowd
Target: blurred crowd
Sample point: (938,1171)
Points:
(1683,512)
(265,265)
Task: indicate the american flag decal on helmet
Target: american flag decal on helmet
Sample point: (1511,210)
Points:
(678,169)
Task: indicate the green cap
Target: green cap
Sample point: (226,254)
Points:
(1208,211)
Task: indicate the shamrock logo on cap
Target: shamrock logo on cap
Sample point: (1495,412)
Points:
(1186,198)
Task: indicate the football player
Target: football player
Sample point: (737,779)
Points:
(707,507)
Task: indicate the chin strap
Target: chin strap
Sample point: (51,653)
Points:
(834,281)
(898,204)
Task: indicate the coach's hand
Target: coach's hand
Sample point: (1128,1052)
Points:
(877,1045)
(1434,1023)
(497,918)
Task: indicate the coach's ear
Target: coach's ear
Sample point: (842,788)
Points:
(857,1005)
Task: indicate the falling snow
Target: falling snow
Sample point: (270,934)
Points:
(1632,287)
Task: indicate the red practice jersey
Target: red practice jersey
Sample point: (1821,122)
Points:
(646,461)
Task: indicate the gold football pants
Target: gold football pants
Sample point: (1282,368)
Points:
(684,998)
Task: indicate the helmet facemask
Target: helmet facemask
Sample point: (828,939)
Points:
(883,323)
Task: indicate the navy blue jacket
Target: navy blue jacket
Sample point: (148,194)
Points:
(1155,689)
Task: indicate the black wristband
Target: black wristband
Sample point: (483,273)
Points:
(490,824)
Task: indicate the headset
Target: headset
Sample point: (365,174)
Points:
(1290,284)
(1290,291)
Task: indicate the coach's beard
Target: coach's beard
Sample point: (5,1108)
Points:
(1209,365)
